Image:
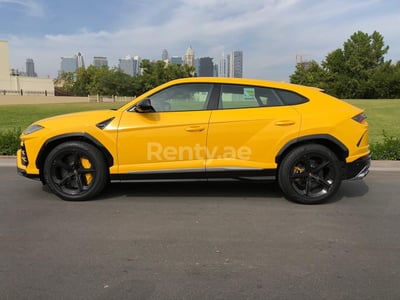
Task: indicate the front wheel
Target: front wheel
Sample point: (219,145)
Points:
(75,171)
(309,174)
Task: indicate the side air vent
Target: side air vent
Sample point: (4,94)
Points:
(104,123)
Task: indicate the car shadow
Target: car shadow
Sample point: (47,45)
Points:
(215,189)
(218,189)
(230,189)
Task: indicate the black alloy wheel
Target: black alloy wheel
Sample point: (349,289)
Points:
(75,171)
(310,174)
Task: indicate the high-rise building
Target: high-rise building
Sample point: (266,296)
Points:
(164,55)
(176,60)
(223,67)
(72,63)
(99,61)
(79,60)
(130,65)
(236,64)
(30,68)
(188,58)
(69,64)
(216,70)
(206,67)
(228,65)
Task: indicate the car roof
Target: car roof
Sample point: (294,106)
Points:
(244,81)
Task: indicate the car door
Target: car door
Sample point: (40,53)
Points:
(170,139)
(251,125)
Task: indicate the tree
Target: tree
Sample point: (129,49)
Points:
(309,73)
(105,81)
(156,73)
(356,71)
(66,80)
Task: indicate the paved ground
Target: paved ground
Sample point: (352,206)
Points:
(200,241)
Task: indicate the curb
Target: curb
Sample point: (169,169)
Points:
(376,165)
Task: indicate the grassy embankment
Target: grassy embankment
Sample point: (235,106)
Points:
(383,116)
(21,115)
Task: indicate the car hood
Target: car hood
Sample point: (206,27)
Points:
(80,119)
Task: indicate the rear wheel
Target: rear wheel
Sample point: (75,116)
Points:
(309,174)
(75,171)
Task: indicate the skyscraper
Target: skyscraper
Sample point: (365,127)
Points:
(99,61)
(176,60)
(69,64)
(80,62)
(30,68)
(206,67)
(72,63)
(130,65)
(164,55)
(223,68)
(188,58)
(236,64)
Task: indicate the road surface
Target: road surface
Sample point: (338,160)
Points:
(221,240)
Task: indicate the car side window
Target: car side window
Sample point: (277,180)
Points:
(291,98)
(183,97)
(242,96)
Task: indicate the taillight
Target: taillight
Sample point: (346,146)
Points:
(360,118)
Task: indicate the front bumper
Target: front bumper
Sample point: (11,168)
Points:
(22,163)
(357,169)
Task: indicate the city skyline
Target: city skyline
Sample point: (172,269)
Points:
(271,33)
(131,64)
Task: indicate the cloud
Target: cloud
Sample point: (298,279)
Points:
(270,32)
(30,7)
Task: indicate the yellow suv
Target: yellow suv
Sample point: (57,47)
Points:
(204,128)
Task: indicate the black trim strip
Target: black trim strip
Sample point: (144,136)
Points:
(68,136)
(31,176)
(241,174)
(305,139)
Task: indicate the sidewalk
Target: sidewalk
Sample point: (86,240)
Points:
(376,165)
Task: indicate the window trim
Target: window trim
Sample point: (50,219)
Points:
(274,90)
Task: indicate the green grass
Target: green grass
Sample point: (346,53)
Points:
(21,116)
(383,116)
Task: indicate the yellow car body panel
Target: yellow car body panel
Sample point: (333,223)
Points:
(255,134)
(162,141)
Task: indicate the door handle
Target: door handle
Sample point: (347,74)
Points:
(195,128)
(285,123)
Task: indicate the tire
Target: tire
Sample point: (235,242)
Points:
(75,171)
(309,174)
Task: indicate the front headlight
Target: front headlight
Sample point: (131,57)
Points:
(33,128)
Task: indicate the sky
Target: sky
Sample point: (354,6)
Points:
(271,33)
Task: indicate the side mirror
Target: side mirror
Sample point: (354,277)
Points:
(144,106)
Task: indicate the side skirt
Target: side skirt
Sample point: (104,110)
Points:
(201,174)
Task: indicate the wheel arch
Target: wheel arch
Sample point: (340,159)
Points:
(51,143)
(326,140)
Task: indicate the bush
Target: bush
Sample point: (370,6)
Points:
(9,141)
(388,149)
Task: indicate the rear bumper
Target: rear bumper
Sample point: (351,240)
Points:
(357,169)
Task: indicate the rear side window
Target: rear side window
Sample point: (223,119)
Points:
(242,96)
(246,96)
(291,98)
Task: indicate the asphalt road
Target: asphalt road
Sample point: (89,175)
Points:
(221,240)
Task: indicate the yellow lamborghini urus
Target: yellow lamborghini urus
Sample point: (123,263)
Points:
(202,129)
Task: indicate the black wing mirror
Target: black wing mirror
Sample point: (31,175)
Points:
(144,106)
